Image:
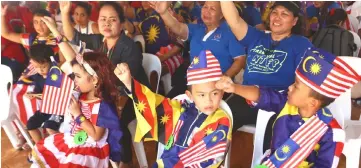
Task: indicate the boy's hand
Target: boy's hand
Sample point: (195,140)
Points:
(226,84)
(123,73)
(51,25)
(30,95)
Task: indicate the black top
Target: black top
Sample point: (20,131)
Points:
(39,82)
(125,50)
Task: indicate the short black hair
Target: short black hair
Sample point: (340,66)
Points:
(116,7)
(325,101)
(189,88)
(41,53)
(41,13)
(336,16)
(86,6)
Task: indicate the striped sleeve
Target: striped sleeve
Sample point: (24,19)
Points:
(156,115)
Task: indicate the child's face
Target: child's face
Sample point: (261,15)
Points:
(40,27)
(206,97)
(84,82)
(299,94)
(41,69)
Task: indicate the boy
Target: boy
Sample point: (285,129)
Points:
(40,58)
(305,133)
(195,134)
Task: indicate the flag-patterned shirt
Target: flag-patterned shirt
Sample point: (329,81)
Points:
(192,138)
(326,152)
(29,39)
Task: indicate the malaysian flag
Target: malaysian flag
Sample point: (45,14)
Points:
(327,74)
(204,68)
(24,107)
(57,91)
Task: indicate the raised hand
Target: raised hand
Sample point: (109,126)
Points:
(226,84)
(160,6)
(4,10)
(65,7)
(123,73)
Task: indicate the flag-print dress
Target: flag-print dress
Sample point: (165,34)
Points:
(60,150)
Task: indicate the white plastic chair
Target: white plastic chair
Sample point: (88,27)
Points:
(152,63)
(341,110)
(226,108)
(167,83)
(7,115)
(262,121)
(140,39)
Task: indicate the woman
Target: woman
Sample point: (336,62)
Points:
(272,57)
(95,129)
(81,17)
(213,34)
(118,47)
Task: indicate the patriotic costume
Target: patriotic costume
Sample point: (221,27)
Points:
(316,141)
(192,138)
(76,148)
(158,39)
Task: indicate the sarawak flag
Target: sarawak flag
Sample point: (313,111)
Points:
(24,107)
(57,91)
(157,116)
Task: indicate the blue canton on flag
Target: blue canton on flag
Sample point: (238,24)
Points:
(199,61)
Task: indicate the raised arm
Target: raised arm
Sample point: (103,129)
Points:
(180,29)
(68,28)
(238,25)
(65,47)
(5,32)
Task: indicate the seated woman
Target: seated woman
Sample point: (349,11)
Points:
(212,34)
(272,57)
(81,16)
(95,127)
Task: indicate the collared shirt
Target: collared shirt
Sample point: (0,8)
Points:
(220,41)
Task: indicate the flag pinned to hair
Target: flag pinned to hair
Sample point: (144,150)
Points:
(57,91)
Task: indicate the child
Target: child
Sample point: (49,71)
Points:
(196,134)
(40,58)
(305,133)
(95,132)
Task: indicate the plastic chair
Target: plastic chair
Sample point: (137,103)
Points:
(152,63)
(140,39)
(226,108)
(262,121)
(341,110)
(251,128)
(8,116)
(167,83)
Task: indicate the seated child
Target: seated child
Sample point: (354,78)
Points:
(95,133)
(40,58)
(195,133)
(305,134)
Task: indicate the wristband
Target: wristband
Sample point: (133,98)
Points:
(80,119)
(60,39)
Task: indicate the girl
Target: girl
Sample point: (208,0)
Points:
(95,127)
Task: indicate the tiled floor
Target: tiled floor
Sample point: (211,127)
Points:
(241,155)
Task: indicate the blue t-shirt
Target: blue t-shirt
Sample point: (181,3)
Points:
(190,15)
(272,65)
(253,15)
(312,11)
(222,43)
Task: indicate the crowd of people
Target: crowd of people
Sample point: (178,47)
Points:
(293,59)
